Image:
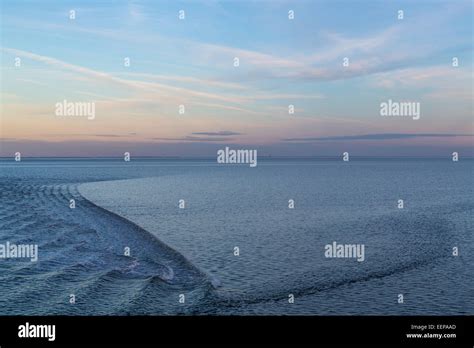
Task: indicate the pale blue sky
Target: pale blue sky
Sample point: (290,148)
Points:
(282,62)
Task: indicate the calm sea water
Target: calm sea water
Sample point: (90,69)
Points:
(190,251)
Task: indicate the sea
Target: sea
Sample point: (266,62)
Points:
(157,236)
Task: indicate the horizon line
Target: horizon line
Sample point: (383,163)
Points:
(213,158)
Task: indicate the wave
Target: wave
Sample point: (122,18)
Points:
(432,224)
(81,250)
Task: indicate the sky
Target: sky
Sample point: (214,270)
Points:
(189,65)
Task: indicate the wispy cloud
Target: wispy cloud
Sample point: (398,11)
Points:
(86,135)
(382,136)
(220,133)
(202,137)
(186,79)
(190,138)
(437,82)
(421,76)
(298,63)
(383,50)
(166,91)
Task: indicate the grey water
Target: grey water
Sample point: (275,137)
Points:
(191,251)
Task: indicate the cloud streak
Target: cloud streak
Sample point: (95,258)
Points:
(220,133)
(191,138)
(381,136)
